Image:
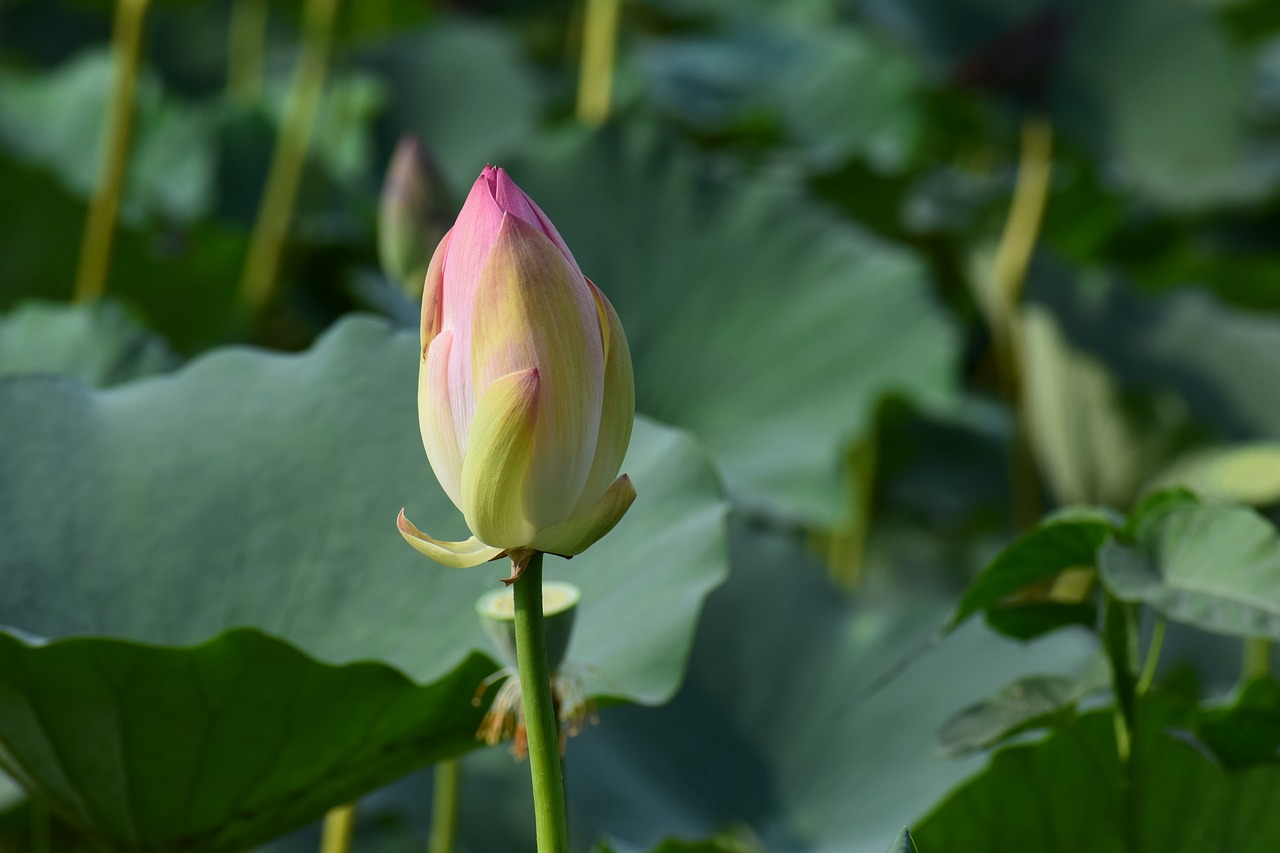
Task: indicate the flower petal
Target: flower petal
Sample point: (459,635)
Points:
(436,418)
(511,199)
(456,555)
(619,410)
(496,465)
(433,293)
(582,531)
(533,310)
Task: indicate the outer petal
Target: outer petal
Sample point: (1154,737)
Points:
(436,418)
(619,410)
(433,293)
(582,531)
(533,310)
(456,555)
(511,199)
(497,460)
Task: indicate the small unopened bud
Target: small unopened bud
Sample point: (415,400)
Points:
(414,213)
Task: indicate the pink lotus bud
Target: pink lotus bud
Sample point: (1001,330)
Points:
(411,213)
(525,391)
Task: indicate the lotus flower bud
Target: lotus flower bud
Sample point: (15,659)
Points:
(411,213)
(525,392)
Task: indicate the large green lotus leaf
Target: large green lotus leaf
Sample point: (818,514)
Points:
(796,77)
(1214,566)
(218,746)
(59,120)
(784,733)
(99,344)
(261,489)
(1067,792)
(467,112)
(1158,88)
(756,319)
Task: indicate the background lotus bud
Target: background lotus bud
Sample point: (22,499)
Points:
(525,394)
(413,213)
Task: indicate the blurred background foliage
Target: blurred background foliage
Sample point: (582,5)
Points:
(904,274)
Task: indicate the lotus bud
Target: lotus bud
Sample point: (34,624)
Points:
(412,213)
(525,392)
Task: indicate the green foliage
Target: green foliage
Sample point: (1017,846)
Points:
(1213,566)
(1068,792)
(105,537)
(215,747)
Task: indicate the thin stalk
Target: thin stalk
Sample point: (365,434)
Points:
(104,207)
(599,50)
(444,807)
(339,823)
(246,48)
(1257,658)
(849,539)
(1120,640)
(551,820)
(290,153)
(1153,657)
(1013,257)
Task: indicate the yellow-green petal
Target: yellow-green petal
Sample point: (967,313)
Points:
(582,531)
(496,464)
(533,309)
(455,555)
(618,413)
(435,417)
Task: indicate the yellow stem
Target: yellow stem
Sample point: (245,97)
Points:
(599,48)
(272,226)
(104,206)
(246,48)
(1257,657)
(1013,257)
(339,823)
(444,807)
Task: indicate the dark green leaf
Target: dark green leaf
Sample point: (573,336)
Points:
(1067,792)
(216,747)
(1245,733)
(1064,541)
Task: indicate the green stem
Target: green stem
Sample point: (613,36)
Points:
(1153,657)
(849,539)
(444,807)
(550,817)
(1257,658)
(339,822)
(599,49)
(290,153)
(104,207)
(246,48)
(1120,640)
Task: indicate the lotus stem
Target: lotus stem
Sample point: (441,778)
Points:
(1257,657)
(1013,258)
(550,817)
(339,824)
(1153,657)
(599,51)
(246,48)
(290,153)
(444,807)
(104,206)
